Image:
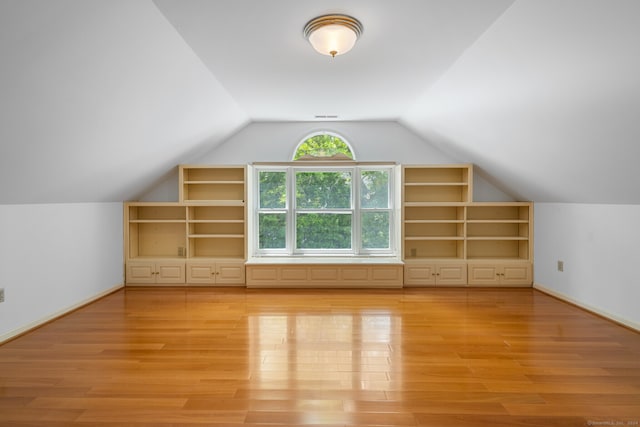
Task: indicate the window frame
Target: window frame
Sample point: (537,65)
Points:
(322,133)
(355,210)
(351,210)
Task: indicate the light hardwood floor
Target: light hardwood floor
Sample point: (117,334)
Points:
(428,357)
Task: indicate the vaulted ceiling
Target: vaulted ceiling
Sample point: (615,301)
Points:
(101,97)
(257,51)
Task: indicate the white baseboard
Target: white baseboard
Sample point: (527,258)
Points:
(32,325)
(617,319)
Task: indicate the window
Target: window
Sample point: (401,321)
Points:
(323,209)
(331,210)
(324,146)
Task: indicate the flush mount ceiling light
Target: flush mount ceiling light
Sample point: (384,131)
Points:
(333,34)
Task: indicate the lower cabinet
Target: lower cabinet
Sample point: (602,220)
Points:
(155,272)
(500,274)
(179,272)
(226,272)
(435,274)
(324,275)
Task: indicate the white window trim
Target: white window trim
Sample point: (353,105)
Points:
(391,209)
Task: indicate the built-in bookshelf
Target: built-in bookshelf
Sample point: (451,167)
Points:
(156,230)
(217,186)
(204,233)
(216,231)
(498,230)
(448,239)
(436,184)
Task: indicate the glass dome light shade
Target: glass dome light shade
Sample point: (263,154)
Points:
(333,34)
(333,39)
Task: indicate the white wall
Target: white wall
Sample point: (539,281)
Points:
(370,141)
(54,257)
(599,247)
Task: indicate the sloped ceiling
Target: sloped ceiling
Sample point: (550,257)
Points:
(546,102)
(100,98)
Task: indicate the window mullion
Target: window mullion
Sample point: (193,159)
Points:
(355,204)
(291,211)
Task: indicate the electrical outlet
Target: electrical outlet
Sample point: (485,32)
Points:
(1,294)
(560,265)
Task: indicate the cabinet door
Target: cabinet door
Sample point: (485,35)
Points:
(451,275)
(516,274)
(170,272)
(484,274)
(141,272)
(419,274)
(230,273)
(201,272)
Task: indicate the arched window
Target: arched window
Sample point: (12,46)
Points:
(324,208)
(323,146)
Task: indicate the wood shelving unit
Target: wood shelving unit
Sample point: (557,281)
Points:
(450,240)
(155,230)
(204,233)
(436,184)
(498,230)
(216,231)
(447,238)
(220,186)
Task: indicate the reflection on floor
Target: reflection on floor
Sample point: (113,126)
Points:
(230,356)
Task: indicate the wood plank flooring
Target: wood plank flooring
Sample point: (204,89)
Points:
(237,357)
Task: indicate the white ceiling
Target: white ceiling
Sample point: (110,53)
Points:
(257,51)
(100,98)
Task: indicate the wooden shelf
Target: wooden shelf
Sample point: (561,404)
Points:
(216,236)
(434,202)
(212,185)
(442,224)
(157,221)
(435,238)
(433,221)
(206,224)
(215,182)
(216,221)
(155,230)
(212,202)
(443,230)
(436,184)
(442,174)
(497,238)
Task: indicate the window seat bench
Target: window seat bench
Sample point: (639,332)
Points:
(324,272)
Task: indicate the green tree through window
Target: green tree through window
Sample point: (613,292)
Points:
(326,207)
(321,146)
